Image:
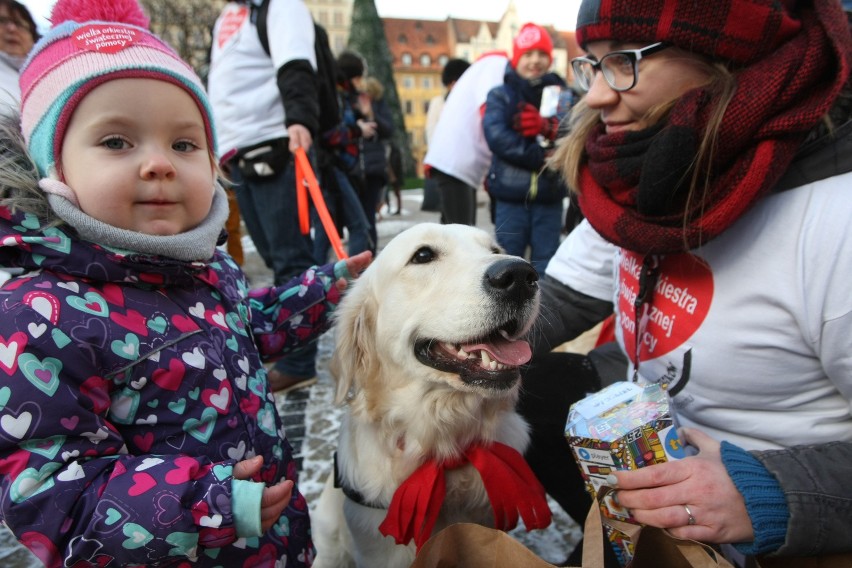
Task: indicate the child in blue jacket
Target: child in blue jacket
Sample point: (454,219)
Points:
(527,195)
(137,427)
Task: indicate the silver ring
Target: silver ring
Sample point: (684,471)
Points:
(691,520)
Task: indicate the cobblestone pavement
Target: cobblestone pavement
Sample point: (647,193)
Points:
(311,420)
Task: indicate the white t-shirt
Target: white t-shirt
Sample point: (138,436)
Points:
(458,147)
(752,331)
(436,105)
(584,259)
(243,80)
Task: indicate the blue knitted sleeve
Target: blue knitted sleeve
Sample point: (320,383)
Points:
(764,499)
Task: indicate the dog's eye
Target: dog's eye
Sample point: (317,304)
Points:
(423,256)
(496,250)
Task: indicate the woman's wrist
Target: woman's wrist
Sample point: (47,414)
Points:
(764,499)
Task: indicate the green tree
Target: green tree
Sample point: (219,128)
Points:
(367,37)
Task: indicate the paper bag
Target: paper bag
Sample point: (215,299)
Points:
(824,561)
(656,548)
(466,545)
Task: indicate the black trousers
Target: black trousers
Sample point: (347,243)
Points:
(550,384)
(458,200)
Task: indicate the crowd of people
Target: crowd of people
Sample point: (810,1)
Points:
(707,152)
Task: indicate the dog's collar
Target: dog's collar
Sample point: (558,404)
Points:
(351,493)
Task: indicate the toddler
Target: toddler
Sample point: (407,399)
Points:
(136,424)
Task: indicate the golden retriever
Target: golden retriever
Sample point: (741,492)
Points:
(428,343)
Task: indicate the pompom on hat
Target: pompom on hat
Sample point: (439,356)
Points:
(531,37)
(92,42)
(740,31)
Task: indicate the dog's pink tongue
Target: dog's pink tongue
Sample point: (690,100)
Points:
(504,351)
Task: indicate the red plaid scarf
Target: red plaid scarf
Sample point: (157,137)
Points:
(633,188)
(511,486)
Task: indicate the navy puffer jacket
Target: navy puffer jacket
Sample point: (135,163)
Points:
(515,157)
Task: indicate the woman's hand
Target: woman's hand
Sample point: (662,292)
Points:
(368,128)
(659,495)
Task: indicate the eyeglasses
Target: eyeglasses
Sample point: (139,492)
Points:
(20,24)
(620,68)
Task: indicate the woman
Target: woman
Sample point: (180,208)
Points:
(17,36)
(712,149)
(340,142)
(373,151)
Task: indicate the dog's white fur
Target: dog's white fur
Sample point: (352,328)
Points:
(428,282)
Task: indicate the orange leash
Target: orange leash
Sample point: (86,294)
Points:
(306,181)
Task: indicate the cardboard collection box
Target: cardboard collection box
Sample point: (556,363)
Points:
(623,426)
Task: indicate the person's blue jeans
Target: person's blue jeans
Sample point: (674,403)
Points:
(268,208)
(518,225)
(370,195)
(352,216)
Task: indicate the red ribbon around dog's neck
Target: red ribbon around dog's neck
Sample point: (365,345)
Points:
(511,486)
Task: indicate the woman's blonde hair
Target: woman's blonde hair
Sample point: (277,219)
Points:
(373,88)
(570,154)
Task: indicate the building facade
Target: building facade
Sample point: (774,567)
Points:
(420,48)
(335,16)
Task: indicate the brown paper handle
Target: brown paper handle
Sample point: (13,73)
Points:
(694,552)
(593,532)
(593,540)
(698,555)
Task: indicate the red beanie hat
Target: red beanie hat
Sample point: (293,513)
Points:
(531,37)
(741,31)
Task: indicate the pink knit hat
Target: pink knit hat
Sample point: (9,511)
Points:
(92,42)
(531,37)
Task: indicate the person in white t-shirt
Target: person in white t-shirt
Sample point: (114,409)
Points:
(265,102)
(452,71)
(458,154)
(715,159)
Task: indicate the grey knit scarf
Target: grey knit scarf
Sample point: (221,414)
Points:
(196,244)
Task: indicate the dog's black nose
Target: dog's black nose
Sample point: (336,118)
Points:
(513,278)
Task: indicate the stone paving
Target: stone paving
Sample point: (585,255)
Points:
(311,420)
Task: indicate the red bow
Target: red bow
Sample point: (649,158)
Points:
(511,486)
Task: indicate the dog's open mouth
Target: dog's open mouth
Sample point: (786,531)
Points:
(489,362)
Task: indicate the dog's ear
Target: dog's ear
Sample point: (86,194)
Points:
(354,357)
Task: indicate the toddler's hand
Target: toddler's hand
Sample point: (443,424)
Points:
(355,265)
(247,468)
(274,498)
(272,503)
